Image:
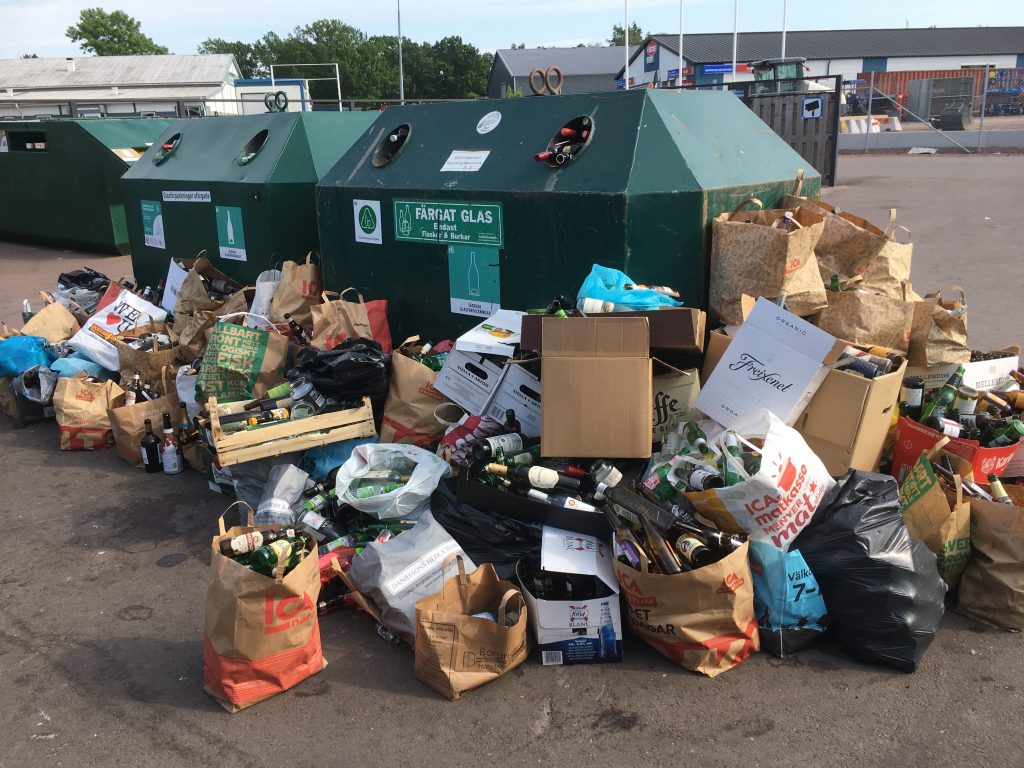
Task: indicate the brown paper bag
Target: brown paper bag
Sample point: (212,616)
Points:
(241,362)
(702,620)
(751,255)
(457,651)
(300,289)
(53,322)
(992,587)
(128,423)
(192,296)
(261,635)
(81,408)
(867,318)
(941,519)
(148,363)
(335,321)
(409,408)
(889,272)
(939,332)
(194,329)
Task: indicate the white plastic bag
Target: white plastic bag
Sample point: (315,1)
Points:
(186,387)
(777,502)
(408,501)
(120,316)
(266,287)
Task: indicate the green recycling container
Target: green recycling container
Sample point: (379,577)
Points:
(444,210)
(240,188)
(60,179)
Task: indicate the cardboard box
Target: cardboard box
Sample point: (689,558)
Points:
(980,375)
(469,379)
(776,361)
(913,438)
(597,375)
(1016,466)
(570,631)
(519,390)
(676,328)
(848,419)
(497,335)
(672,396)
(527,510)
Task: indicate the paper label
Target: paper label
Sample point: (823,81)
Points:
(174,196)
(366,221)
(152,224)
(230,233)
(412,573)
(467,160)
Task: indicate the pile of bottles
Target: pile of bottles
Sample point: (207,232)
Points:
(149,342)
(135,391)
(566,145)
(266,551)
(875,362)
(992,417)
(165,454)
(688,462)
(946,473)
(428,357)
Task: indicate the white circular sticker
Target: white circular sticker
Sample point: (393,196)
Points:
(488,122)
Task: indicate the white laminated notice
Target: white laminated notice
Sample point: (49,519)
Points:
(469,160)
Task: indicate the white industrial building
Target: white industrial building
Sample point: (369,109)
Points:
(119,85)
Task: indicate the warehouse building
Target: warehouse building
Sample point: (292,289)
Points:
(119,85)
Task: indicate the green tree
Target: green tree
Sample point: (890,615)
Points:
(636,36)
(111,34)
(30,56)
(246,55)
(461,69)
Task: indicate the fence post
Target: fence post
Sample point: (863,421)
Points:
(984,102)
(871,94)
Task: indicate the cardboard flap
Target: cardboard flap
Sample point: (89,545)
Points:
(567,552)
(590,337)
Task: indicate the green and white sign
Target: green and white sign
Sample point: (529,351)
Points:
(366,221)
(3,142)
(230,233)
(152,224)
(432,221)
(474,280)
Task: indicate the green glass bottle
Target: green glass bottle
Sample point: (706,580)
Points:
(1007,435)
(265,559)
(695,436)
(732,450)
(946,396)
(834,285)
(375,489)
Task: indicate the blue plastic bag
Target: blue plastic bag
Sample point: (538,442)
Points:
(788,604)
(68,367)
(609,285)
(319,461)
(20,353)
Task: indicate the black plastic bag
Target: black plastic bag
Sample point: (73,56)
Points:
(487,537)
(86,277)
(354,369)
(882,587)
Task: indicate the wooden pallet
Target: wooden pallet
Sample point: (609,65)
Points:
(287,436)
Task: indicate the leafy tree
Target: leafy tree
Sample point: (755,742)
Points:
(636,36)
(111,34)
(249,63)
(518,47)
(29,56)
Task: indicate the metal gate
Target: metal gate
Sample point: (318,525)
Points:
(808,121)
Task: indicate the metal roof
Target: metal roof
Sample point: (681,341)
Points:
(106,71)
(107,95)
(602,60)
(849,43)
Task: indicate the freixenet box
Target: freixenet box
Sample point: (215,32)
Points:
(597,376)
(980,375)
(519,390)
(672,396)
(469,379)
(679,329)
(776,361)
(575,631)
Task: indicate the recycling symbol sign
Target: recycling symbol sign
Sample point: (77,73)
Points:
(367,221)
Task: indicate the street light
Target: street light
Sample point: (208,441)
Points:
(785,3)
(401,72)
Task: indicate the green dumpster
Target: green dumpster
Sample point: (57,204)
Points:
(240,188)
(444,210)
(59,179)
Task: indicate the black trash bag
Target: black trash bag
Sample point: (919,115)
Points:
(882,587)
(486,537)
(86,278)
(354,369)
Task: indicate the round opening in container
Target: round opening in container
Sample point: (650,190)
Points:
(253,147)
(167,148)
(391,145)
(569,142)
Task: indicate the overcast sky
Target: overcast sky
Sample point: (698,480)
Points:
(37,26)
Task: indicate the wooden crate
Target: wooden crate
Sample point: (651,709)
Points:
(287,436)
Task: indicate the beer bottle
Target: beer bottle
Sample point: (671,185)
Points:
(320,501)
(560,501)
(170,453)
(159,292)
(834,285)
(913,396)
(250,542)
(509,444)
(150,448)
(512,425)
(298,332)
(607,648)
(704,478)
(995,487)
(663,554)
(732,451)
(604,475)
(694,551)
(695,436)
(1007,435)
(536,476)
(147,392)
(319,526)
(945,397)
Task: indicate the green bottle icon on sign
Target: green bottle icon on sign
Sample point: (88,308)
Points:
(474,275)
(404,221)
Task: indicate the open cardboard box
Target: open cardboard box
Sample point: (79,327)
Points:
(679,329)
(983,374)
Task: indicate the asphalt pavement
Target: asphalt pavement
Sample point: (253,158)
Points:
(104,571)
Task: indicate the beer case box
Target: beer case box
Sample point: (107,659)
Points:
(569,631)
(598,378)
(497,335)
(469,379)
(520,391)
(1015,468)
(672,396)
(912,438)
(527,510)
(680,329)
(776,361)
(983,374)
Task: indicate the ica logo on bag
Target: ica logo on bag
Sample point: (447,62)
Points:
(281,614)
(311,290)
